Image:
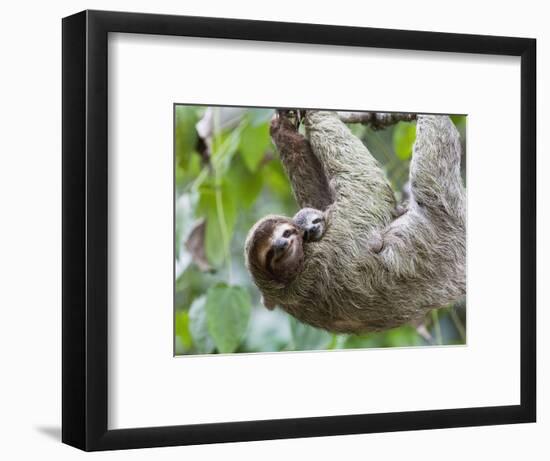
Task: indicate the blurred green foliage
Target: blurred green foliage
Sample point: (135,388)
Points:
(222,189)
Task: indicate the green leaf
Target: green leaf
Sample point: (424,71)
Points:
(186,135)
(268,331)
(402,337)
(364,341)
(220,219)
(190,285)
(199,328)
(182,329)
(276,179)
(254,142)
(398,337)
(306,337)
(245,186)
(459,120)
(214,244)
(404,135)
(224,147)
(186,175)
(227,313)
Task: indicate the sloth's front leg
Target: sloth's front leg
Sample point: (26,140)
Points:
(306,175)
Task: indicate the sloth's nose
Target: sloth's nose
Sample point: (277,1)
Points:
(280,244)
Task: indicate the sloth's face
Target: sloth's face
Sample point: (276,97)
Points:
(274,249)
(283,253)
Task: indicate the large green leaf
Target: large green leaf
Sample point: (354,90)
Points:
(404,135)
(245,185)
(218,205)
(227,313)
(198,327)
(306,337)
(254,142)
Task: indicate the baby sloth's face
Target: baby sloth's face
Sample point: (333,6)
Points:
(312,222)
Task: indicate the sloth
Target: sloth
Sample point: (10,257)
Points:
(279,243)
(371,269)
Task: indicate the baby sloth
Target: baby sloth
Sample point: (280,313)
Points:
(279,245)
(311,222)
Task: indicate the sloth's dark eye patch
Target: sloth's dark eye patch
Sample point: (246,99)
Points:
(287,233)
(316,221)
(269,258)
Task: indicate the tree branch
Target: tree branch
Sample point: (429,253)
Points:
(377,120)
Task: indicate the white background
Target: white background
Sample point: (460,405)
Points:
(30,244)
(148,387)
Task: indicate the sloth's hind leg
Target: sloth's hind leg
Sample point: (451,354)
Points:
(435,178)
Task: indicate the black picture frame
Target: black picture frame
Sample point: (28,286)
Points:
(85,223)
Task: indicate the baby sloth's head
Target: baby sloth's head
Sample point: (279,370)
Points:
(312,222)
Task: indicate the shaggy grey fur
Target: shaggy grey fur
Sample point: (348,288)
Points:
(346,283)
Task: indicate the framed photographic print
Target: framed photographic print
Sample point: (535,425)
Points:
(276,230)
